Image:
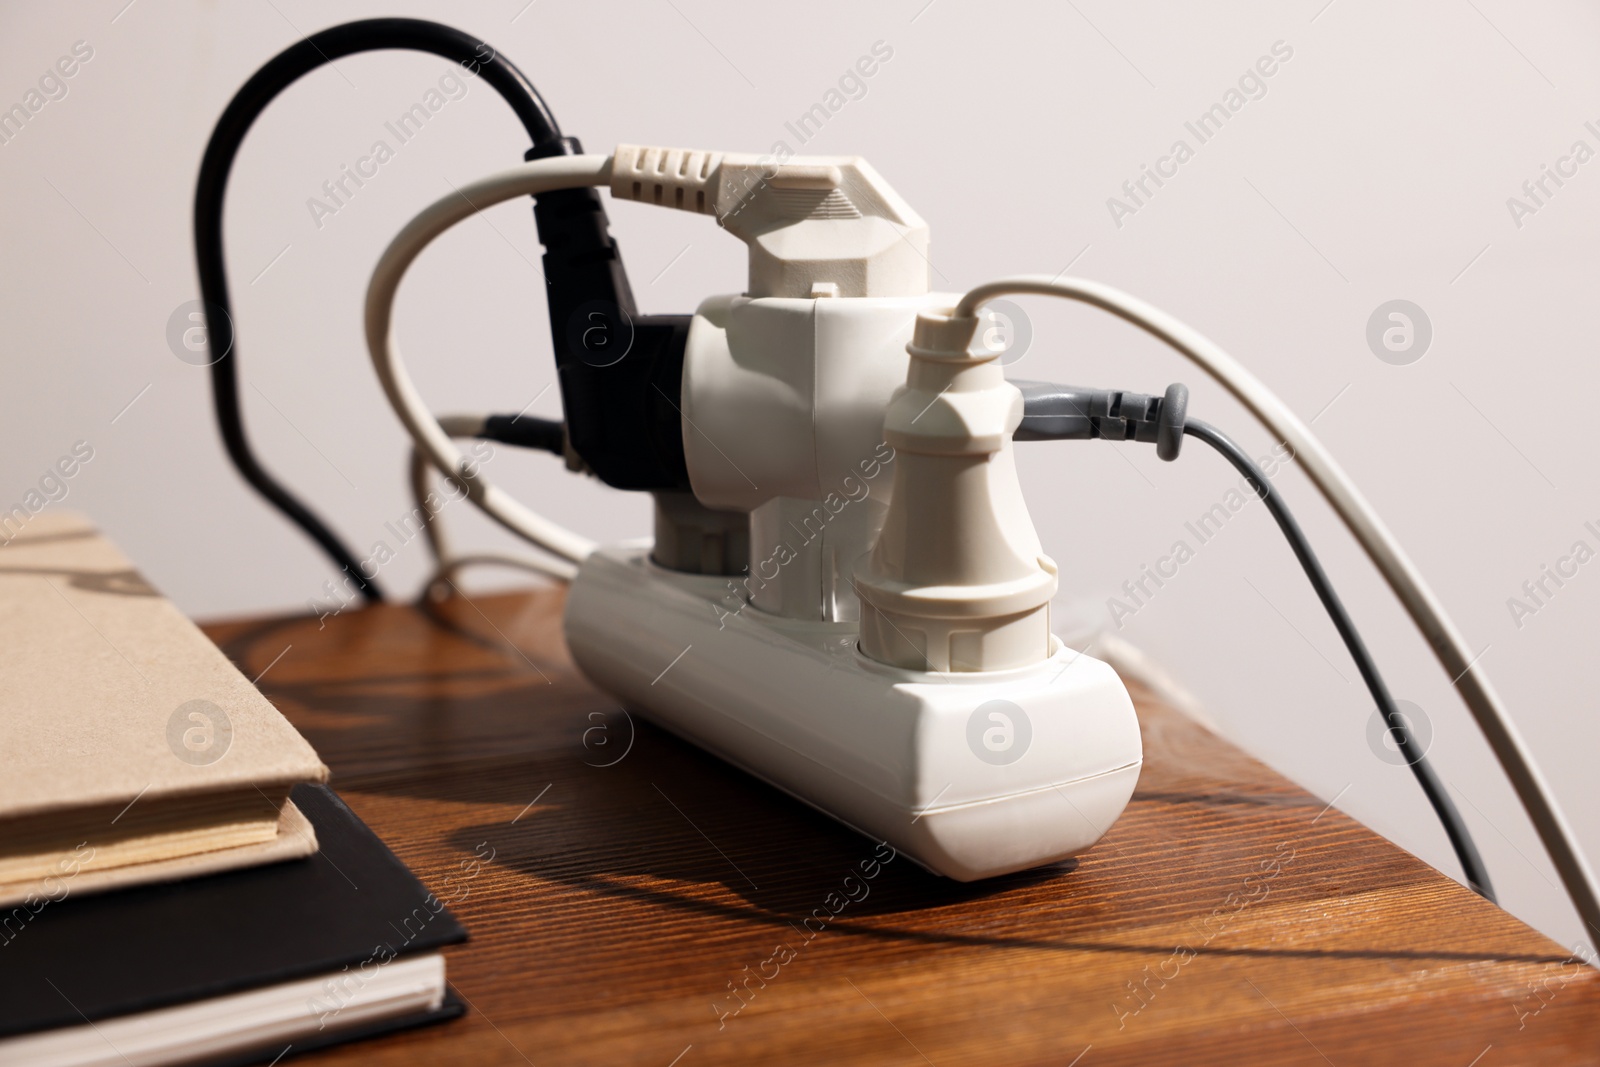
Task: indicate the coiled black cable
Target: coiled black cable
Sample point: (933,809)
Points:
(282,71)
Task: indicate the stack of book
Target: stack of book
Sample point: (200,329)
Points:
(177,884)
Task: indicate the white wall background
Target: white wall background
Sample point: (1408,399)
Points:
(1377,166)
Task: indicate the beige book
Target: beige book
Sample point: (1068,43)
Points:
(133,750)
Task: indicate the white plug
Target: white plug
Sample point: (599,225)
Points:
(816,226)
(784,386)
(957,580)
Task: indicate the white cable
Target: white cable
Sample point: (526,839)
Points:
(448,569)
(540,176)
(417,470)
(1379,544)
(446,563)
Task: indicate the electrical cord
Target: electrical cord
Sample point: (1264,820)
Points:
(506,429)
(417,469)
(247,105)
(1391,561)
(1060,413)
(441,583)
(1455,827)
(539,176)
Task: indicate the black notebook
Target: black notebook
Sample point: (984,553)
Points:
(239,965)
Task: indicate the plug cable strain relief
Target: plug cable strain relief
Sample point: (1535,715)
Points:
(1072,413)
(1174,413)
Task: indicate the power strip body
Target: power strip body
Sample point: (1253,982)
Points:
(972,775)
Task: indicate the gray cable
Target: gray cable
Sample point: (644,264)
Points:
(1408,585)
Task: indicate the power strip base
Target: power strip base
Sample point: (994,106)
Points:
(972,775)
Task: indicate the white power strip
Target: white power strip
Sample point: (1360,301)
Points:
(971,774)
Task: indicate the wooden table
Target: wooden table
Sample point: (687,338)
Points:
(633,900)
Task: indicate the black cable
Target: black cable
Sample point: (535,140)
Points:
(251,100)
(526,431)
(1460,838)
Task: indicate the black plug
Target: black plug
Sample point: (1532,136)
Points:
(620,372)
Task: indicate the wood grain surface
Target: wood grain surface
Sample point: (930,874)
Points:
(632,900)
